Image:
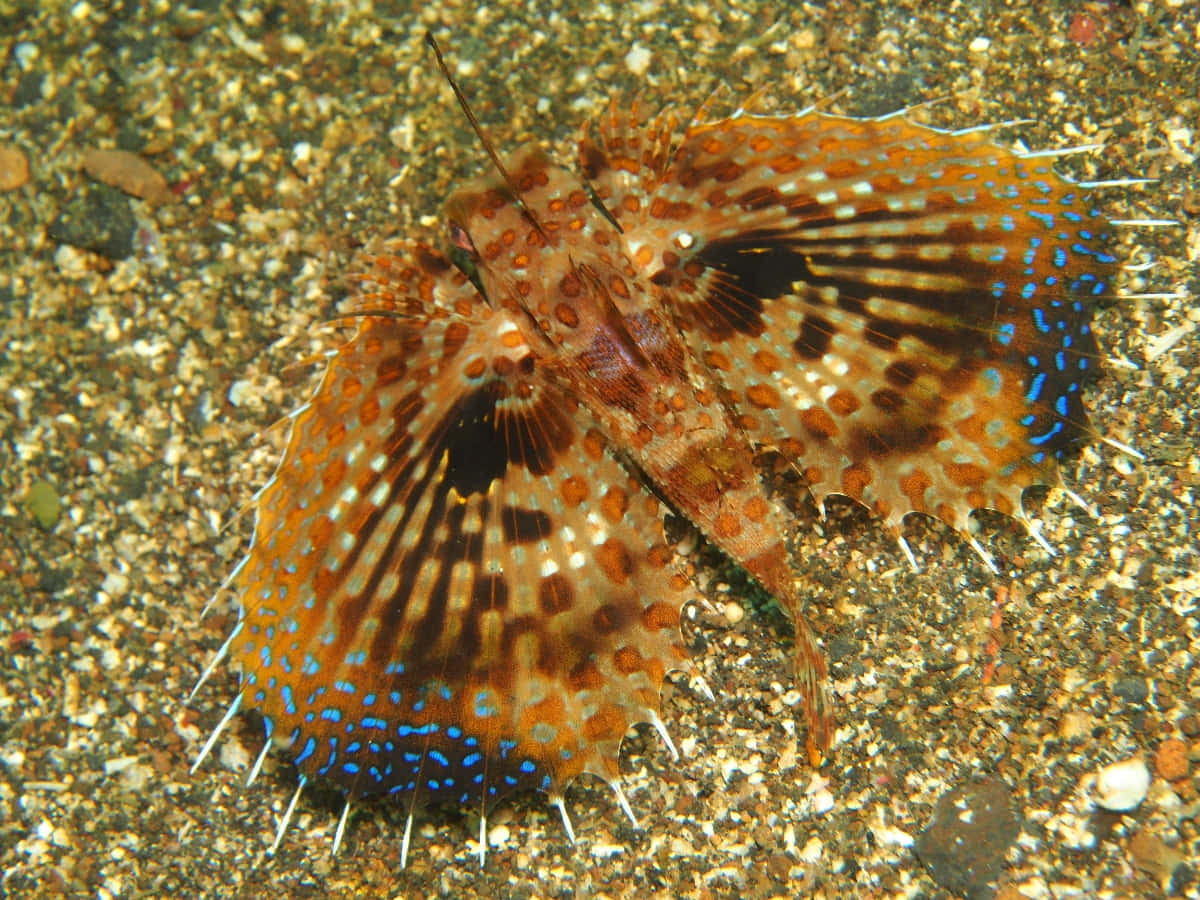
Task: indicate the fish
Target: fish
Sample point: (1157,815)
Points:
(459,585)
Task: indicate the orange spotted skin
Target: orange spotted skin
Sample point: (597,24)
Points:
(459,586)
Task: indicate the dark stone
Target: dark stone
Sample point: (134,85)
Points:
(29,90)
(1132,690)
(100,219)
(964,846)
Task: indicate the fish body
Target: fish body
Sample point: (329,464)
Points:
(459,585)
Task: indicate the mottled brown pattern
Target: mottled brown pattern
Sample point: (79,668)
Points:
(459,585)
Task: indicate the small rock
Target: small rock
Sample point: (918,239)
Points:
(638,60)
(965,845)
(100,220)
(1171,759)
(1121,786)
(1154,857)
(41,500)
(14,169)
(127,171)
(1132,690)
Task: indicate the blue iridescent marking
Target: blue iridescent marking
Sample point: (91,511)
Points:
(350,767)
(1105,257)
(1045,218)
(1060,360)
(394,668)
(1072,216)
(1060,257)
(372,722)
(1060,406)
(331,714)
(433,784)
(483,706)
(345,687)
(528,767)
(357,658)
(1042,438)
(445,691)
(998,254)
(1038,457)
(1028,290)
(412,757)
(510,781)
(354,746)
(454,732)
(309,716)
(995,382)
(289,702)
(1039,319)
(472,759)
(309,746)
(1050,281)
(998,288)
(369,699)
(1035,388)
(505,746)
(471,741)
(439,757)
(310,665)
(1004,334)
(1027,420)
(394,696)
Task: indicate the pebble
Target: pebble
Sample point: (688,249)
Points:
(42,502)
(638,59)
(14,169)
(1132,690)
(965,845)
(1121,786)
(1171,759)
(129,172)
(100,220)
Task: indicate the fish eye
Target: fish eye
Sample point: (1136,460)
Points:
(461,240)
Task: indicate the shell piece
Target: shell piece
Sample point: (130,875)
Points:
(1121,786)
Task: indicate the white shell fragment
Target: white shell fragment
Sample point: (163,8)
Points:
(1121,786)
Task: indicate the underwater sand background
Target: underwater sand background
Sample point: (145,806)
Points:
(145,344)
